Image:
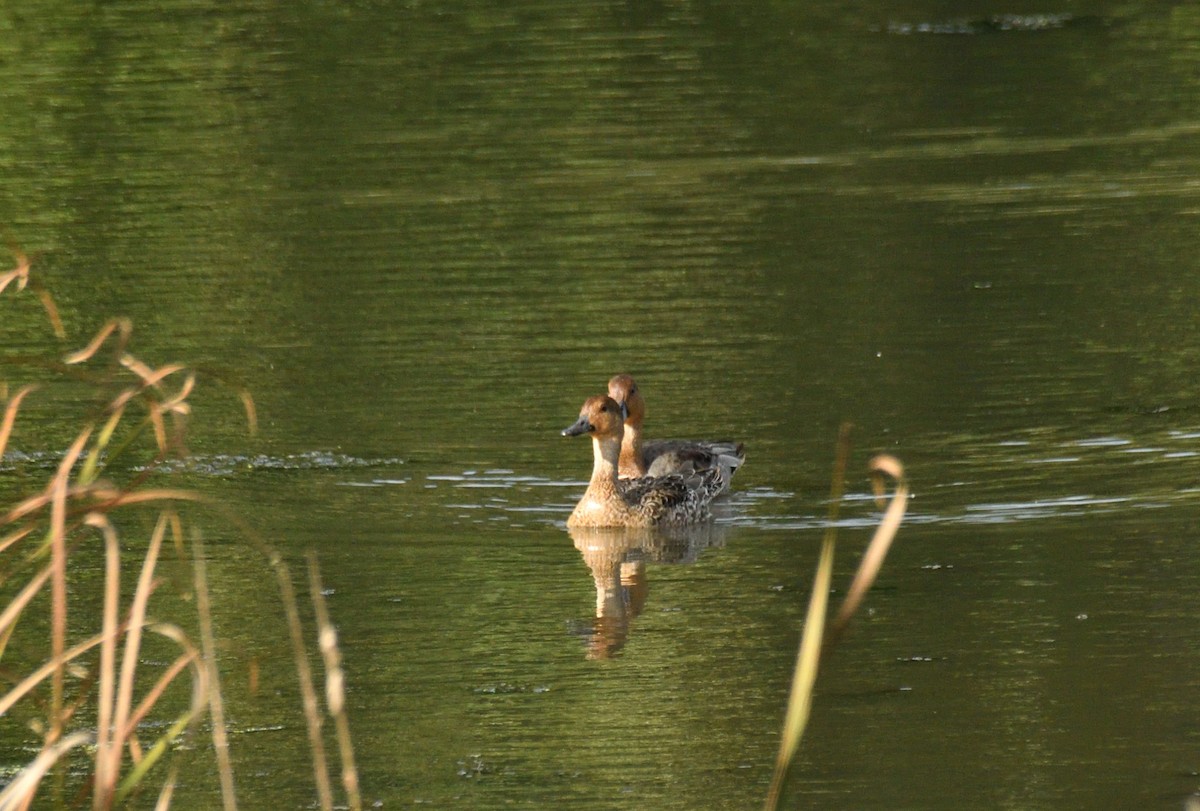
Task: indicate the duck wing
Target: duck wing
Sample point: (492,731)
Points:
(690,457)
(673,499)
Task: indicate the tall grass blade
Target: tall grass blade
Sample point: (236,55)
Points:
(200,692)
(138,773)
(87,474)
(149,375)
(808,658)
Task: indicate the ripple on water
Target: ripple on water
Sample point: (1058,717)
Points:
(1037,474)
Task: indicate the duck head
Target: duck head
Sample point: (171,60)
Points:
(601,416)
(624,390)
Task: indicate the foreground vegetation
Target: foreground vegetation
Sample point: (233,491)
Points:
(105,719)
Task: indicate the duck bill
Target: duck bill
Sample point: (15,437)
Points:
(581,426)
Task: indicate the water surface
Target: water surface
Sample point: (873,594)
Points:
(423,236)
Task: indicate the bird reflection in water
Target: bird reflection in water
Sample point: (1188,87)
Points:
(617,557)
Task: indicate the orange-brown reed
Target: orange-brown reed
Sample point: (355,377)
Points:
(83,699)
(816,642)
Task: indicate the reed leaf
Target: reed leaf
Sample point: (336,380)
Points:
(168,790)
(122,326)
(152,756)
(10,416)
(52,523)
(190,658)
(19,793)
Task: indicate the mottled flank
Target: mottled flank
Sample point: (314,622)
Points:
(644,502)
(665,457)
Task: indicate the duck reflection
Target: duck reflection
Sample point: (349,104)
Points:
(617,557)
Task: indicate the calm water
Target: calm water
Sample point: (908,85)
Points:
(425,235)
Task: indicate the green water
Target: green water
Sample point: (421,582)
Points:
(424,233)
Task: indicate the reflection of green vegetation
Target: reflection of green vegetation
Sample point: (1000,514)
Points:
(90,697)
(343,197)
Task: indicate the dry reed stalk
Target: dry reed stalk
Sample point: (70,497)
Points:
(136,620)
(35,678)
(251,411)
(12,611)
(881,541)
(168,790)
(188,659)
(116,692)
(106,764)
(308,693)
(57,511)
(58,580)
(10,416)
(808,658)
(51,310)
(200,690)
(335,683)
(123,326)
(9,540)
(812,650)
(215,703)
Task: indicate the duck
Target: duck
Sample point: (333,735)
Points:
(649,501)
(667,456)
